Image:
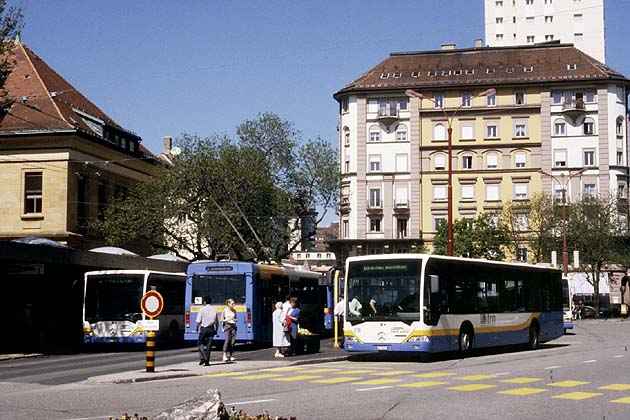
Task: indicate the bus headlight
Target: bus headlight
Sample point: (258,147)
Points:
(418,339)
(350,339)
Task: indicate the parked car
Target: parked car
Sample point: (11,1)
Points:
(610,311)
(588,312)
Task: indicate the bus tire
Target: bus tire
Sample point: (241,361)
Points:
(534,336)
(466,339)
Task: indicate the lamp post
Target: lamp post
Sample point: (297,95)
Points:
(449,120)
(564,184)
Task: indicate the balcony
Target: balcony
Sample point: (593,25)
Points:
(375,207)
(388,115)
(573,109)
(401,207)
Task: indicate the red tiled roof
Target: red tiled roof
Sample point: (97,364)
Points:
(45,101)
(483,67)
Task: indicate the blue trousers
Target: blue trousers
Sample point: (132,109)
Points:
(204,343)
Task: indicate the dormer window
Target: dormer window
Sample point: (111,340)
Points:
(470,71)
(571,66)
(528,69)
(384,75)
(490,71)
(397,75)
(432,73)
(415,73)
(509,70)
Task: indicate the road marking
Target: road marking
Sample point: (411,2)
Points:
(433,375)
(322,370)
(338,380)
(577,395)
(472,387)
(590,361)
(283,369)
(618,356)
(501,374)
(625,400)
(568,383)
(616,387)
(424,384)
(296,378)
(521,380)
(249,402)
(378,381)
(552,367)
(210,375)
(393,373)
(373,389)
(523,391)
(356,371)
(475,377)
(260,376)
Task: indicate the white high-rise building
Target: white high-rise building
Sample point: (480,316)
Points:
(523,22)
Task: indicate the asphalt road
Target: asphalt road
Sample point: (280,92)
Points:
(585,375)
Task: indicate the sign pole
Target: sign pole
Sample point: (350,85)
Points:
(150,362)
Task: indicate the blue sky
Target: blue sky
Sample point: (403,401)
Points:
(163,68)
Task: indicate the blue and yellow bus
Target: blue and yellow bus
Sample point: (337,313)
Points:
(428,303)
(256,288)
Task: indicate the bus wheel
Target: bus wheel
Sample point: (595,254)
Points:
(465,340)
(534,334)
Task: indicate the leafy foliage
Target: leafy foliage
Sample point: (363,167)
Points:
(226,197)
(11,24)
(482,237)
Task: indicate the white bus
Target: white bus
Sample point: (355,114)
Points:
(111,306)
(428,303)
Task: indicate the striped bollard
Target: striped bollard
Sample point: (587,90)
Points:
(150,364)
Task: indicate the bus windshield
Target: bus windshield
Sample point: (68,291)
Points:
(113,298)
(218,288)
(383,290)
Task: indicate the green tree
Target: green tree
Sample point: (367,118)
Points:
(593,229)
(11,24)
(226,197)
(482,237)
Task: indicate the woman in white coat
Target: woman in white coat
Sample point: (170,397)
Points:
(280,340)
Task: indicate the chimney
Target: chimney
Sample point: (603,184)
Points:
(478,43)
(168,144)
(450,46)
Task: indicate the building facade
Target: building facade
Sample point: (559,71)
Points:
(527,22)
(545,108)
(62,159)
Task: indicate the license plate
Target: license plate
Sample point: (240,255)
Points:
(381,347)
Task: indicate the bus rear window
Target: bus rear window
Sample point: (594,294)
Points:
(219,288)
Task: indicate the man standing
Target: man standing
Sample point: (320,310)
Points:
(208,321)
(339,311)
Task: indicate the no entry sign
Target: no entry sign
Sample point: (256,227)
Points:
(152,303)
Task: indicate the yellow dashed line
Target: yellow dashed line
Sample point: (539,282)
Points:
(523,391)
(433,375)
(261,376)
(378,381)
(622,400)
(521,380)
(355,372)
(322,370)
(577,395)
(283,369)
(338,380)
(393,373)
(296,378)
(475,377)
(425,384)
(472,387)
(210,375)
(616,387)
(568,383)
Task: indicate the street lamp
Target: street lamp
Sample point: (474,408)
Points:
(564,184)
(449,120)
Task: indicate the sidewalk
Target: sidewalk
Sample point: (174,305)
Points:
(243,363)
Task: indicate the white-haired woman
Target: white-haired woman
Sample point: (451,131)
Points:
(280,340)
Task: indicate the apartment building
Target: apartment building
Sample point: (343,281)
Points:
(62,159)
(513,111)
(527,22)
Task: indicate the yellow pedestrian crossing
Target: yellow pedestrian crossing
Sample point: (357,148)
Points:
(340,374)
(568,384)
(296,378)
(616,387)
(424,384)
(523,391)
(577,395)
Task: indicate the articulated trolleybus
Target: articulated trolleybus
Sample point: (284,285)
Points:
(427,303)
(111,306)
(255,288)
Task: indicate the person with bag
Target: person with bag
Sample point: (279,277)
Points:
(228,320)
(292,319)
(280,330)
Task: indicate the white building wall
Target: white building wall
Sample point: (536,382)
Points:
(516,22)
